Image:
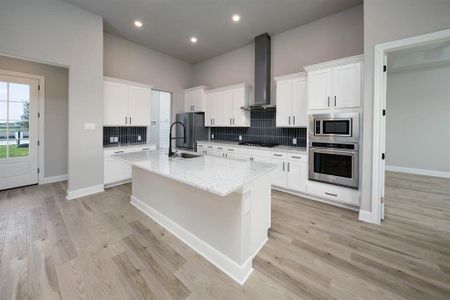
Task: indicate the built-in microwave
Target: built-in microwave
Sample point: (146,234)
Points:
(334,127)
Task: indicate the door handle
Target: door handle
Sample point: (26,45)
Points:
(289,120)
(234,123)
(330,194)
(283,165)
(293,119)
(130,120)
(231,122)
(335,101)
(328,101)
(289,167)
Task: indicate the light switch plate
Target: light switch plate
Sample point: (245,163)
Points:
(89,126)
(116,139)
(139,138)
(294,141)
(212,136)
(111,139)
(240,138)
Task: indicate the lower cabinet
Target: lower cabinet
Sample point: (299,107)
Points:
(116,171)
(292,172)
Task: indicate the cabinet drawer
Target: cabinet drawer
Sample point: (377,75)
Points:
(278,155)
(335,193)
(298,157)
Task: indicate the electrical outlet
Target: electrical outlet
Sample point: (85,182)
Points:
(111,139)
(139,138)
(212,136)
(240,138)
(294,141)
(116,139)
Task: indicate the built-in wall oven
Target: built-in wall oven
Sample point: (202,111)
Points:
(334,149)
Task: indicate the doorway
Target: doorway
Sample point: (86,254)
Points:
(161,116)
(420,53)
(19,128)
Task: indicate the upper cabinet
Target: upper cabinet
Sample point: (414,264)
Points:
(291,100)
(195,99)
(224,106)
(335,84)
(126,105)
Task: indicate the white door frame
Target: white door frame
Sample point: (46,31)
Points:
(41,112)
(379,103)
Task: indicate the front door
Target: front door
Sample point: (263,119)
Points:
(18,131)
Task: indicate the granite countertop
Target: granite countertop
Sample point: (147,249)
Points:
(117,147)
(213,174)
(276,148)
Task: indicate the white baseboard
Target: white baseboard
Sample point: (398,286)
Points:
(84,192)
(238,273)
(418,171)
(52,179)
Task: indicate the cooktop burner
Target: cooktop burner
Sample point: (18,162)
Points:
(257,144)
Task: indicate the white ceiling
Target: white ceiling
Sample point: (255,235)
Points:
(169,24)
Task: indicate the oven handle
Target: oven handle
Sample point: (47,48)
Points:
(333,151)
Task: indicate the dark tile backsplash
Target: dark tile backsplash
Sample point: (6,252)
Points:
(263,130)
(125,136)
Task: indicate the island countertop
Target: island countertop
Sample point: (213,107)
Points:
(217,175)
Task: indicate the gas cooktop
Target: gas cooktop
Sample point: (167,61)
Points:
(257,144)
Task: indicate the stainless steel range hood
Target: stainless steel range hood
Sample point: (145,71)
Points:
(263,78)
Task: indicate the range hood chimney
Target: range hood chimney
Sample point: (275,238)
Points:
(263,78)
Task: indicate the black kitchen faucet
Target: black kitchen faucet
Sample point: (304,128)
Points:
(171,153)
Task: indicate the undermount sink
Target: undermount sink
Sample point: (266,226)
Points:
(185,155)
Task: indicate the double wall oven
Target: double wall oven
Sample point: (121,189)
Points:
(334,148)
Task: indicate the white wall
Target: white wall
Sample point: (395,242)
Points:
(389,20)
(54,32)
(56,110)
(336,36)
(130,61)
(418,119)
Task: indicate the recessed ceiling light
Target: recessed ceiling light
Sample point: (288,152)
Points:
(193,40)
(236,18)
(138,24)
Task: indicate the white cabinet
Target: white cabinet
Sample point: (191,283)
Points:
(291,99)
(139,106)
(223,106)
(126,105)
(116,171)
(115,104)
(195,99)
(335,85)
(292,172)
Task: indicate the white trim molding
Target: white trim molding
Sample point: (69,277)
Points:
(424,172)
(239,273)
(379,102)
(84,192)
(52,179)
(365,216)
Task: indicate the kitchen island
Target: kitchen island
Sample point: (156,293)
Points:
(220,207)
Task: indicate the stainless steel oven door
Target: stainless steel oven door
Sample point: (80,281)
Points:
(335,166)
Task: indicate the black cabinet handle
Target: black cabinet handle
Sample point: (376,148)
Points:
(330,194)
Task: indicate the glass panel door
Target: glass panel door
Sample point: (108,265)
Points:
(18,131)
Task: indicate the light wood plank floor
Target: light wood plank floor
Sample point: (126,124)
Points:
(100,247)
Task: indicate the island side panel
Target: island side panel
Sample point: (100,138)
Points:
(216,220)
(259,193)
